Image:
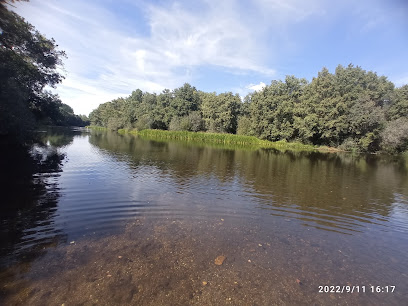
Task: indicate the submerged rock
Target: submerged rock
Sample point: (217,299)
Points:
(219,260)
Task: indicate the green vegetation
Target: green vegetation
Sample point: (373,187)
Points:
(352,109)
(28,63)
(217,138)
(95,127)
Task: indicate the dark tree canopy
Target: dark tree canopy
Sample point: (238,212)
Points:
(28,63)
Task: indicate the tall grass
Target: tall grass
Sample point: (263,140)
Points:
(95,127)
(215,138)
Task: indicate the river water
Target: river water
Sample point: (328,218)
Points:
(119,220)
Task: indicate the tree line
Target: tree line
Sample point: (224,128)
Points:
(28,64)
(352,109)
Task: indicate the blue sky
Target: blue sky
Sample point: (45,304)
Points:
(115,47)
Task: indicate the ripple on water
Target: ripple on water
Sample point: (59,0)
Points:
(104,185)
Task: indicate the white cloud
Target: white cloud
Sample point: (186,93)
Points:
(243,91)
(106,59)
(257,87)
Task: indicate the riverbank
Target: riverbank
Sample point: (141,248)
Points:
(221,139)
(225,139)
(95,127)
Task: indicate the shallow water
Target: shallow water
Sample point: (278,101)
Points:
(124,220)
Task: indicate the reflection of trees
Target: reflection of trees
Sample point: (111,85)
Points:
(30,193)
(338,185)
(57,137)
(325,181)
(183,159)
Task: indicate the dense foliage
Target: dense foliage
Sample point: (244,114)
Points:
(28,63)
(351,108)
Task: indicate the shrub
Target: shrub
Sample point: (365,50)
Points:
(244,126)
(143,123)
(394,137)
(175,124)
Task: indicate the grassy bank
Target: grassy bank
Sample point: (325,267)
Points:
(224,139)
(95,127)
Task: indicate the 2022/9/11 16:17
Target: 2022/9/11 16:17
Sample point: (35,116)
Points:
(352,289)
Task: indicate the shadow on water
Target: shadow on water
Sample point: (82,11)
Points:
(29,180)
(30,193)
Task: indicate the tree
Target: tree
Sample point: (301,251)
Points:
(195,121)
(186,99)
(163,113)
(366,120)
(244,126)
(348,104)
(322,116)
(272,109)
(220,113)
(351,108)
(395,136)
(28,63)
(399,105)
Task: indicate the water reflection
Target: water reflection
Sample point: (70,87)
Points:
(154,215)
(30,195)
(337,192)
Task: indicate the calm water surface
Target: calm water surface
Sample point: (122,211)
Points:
(116,219)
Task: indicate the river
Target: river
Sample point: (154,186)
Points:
(119,220)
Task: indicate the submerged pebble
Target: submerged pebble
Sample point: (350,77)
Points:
(219,260)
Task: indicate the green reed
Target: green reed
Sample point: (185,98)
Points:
(217,138)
